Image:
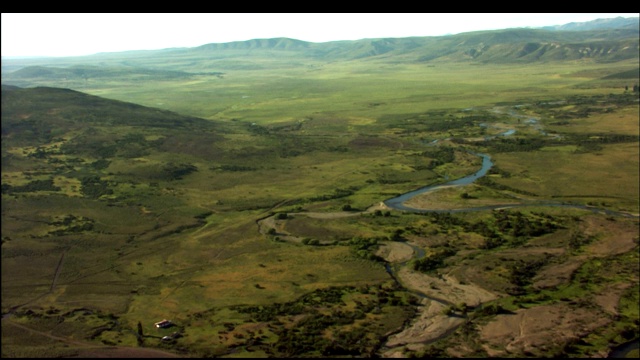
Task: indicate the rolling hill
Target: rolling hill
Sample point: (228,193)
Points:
(240,190)
(597,41)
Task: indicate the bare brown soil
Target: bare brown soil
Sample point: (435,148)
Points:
(536,330)
(527,331)
(432,323)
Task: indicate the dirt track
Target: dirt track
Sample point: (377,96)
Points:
(92,350)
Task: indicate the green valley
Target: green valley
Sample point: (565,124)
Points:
(238,190)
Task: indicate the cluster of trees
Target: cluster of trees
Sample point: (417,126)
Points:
(364,247)
(522,272)
(512,228)
(95,149)
(100,164)
(335,331)
(233,167)
(173,171)
(72,224)
(581,139)
(36,185)
(94,187)
(378,213)
(579,239)
(454,123)
(434,260)
(446,220)
(486,181)
(440,155)
(337,193)
(39,153)
(514,144)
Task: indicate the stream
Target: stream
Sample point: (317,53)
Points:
(398,204)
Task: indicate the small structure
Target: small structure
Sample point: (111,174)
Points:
(163,324)
(173,336)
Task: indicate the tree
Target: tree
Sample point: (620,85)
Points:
(140,336)
(397,235)
(462,307)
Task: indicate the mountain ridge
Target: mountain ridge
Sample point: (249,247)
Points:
(601,40)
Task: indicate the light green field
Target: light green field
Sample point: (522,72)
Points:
(360,90)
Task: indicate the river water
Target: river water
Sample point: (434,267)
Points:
(397,202)
(623,350)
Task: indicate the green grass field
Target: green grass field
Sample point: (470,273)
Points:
(176,235)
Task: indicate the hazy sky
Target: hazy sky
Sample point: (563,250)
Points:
(57,34)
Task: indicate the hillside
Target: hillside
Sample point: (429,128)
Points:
(465,196)
(591,43)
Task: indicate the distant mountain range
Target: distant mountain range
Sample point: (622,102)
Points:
(601,40)
(598,24)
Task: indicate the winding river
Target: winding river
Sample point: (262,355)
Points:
(398,202)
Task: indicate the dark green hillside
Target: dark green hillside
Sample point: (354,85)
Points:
(67,133)
(19,105)
(78,75)
(33,116)
(630,74)
(92,72)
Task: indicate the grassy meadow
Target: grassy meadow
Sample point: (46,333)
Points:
(145,220)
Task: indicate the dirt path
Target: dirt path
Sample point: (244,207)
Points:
(93,350)
(57,273)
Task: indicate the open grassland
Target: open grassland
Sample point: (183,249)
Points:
(235,229)
(363,90)
(608,177)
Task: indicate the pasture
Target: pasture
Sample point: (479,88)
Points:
(170,227)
